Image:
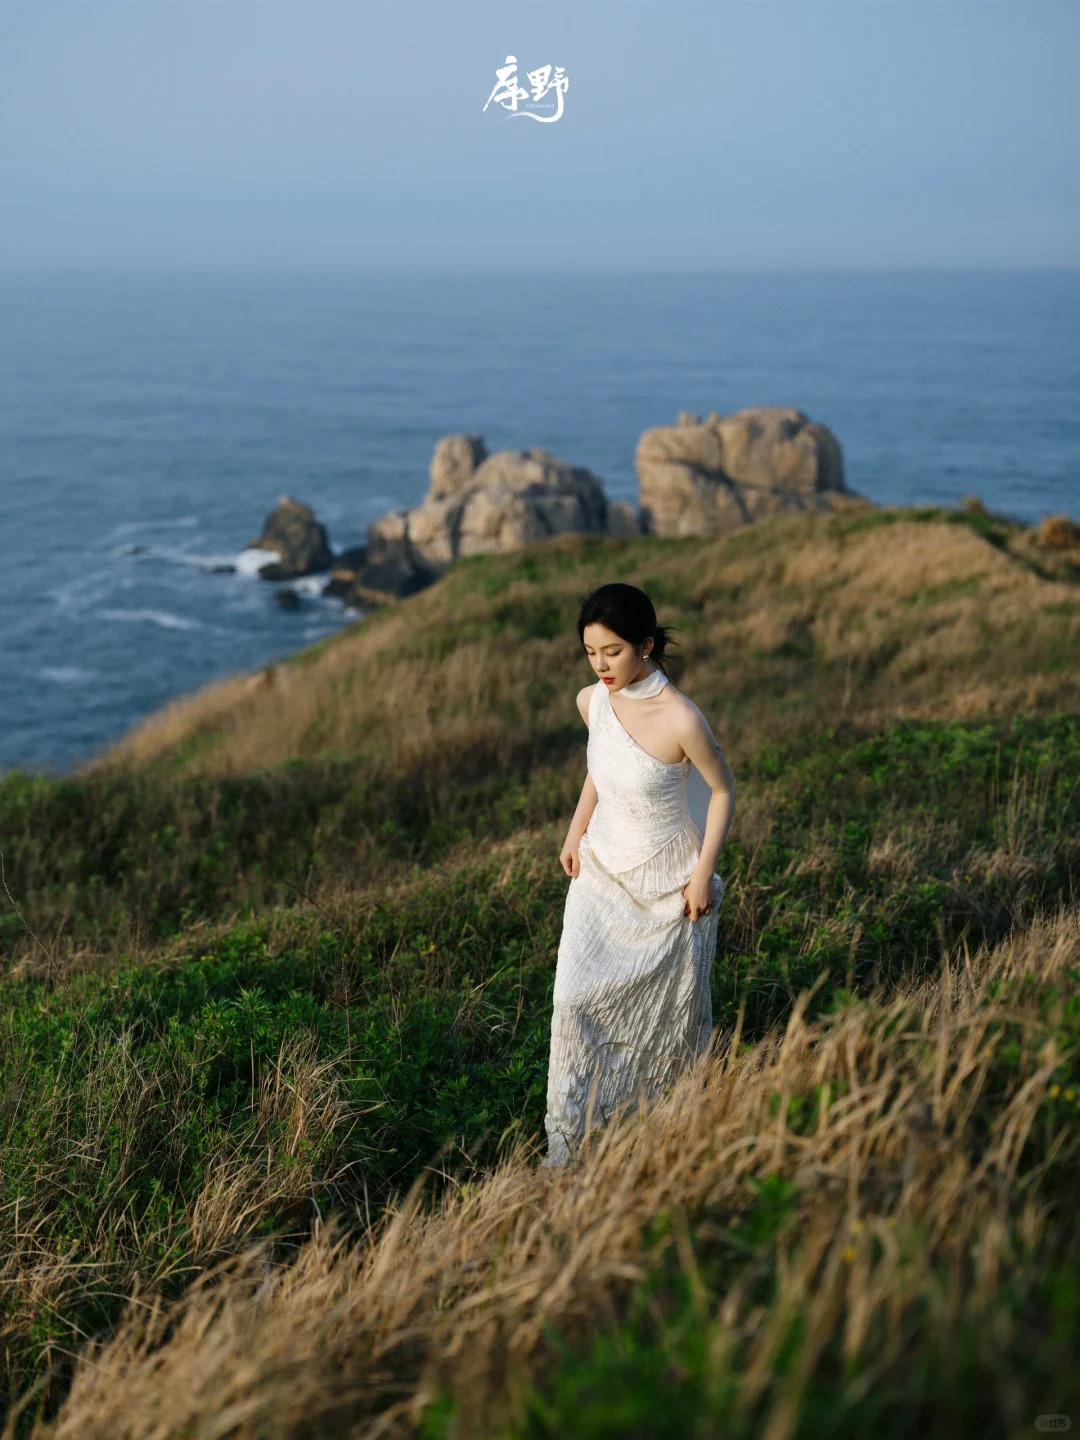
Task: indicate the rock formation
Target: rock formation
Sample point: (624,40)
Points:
(707,478)
(695,478)
(1052,547)
(293,532)
(478,503)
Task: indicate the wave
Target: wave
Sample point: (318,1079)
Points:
(84,590)
(247,562)
(211,563)
(66,674)
(165,618)
(250,562)
(308,584)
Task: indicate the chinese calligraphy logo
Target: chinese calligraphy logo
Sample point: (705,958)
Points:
(508,91)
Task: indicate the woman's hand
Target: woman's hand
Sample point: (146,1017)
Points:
(697,892)
(568,859)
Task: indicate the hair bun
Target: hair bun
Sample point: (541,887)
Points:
(627,612)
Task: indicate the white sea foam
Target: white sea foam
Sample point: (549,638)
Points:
(66,674)
(195,562)
(308,584)
(84,590)
(250,562)
(165,618)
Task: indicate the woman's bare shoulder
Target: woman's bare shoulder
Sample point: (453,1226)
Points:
(674,697)
(584,699)
(686,714)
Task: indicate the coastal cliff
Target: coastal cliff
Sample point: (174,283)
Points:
(277,987)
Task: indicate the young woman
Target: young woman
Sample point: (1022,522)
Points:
(632,1000)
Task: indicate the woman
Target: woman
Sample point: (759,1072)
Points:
(632,999)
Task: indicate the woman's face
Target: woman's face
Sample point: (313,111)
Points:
(614,659)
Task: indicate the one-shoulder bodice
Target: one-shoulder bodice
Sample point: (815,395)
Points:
(641,800)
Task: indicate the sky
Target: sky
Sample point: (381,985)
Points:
(352,136)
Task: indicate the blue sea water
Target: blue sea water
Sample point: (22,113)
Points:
(149,421)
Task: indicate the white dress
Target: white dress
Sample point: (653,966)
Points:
(632,1000)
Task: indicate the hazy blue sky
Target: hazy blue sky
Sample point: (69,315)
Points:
(759,134)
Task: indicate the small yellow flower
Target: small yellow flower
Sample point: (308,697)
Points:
(1055,1091)
(849,1254)
(1070,1093)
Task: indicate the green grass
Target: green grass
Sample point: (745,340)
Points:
(318,981)
(126,1084)
(928,595)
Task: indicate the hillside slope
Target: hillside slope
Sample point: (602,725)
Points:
(800,619)
(286,953)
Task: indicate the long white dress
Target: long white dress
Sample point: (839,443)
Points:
(632,1000)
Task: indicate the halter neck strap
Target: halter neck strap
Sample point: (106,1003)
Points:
(645,689)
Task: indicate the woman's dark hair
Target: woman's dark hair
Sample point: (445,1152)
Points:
(629,612)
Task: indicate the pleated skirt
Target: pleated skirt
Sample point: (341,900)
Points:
(633,1001)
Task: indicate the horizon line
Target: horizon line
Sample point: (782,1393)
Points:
(489,273)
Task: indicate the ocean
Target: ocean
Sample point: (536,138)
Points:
(149,421)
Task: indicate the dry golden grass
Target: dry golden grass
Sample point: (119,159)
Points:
(912,1212)
(38,1279)
(885,613)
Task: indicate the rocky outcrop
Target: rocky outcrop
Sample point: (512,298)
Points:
(695,478)
(297,537)
(478,503)
(1058,532)
(377,574)
(709,477)
(1052,547)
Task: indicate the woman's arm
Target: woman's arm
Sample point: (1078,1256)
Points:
(717,823)
(702,747)
(568,857)
(704,750)
(583,814)
(586,804)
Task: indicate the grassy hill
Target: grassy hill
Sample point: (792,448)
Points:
(275,1007)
